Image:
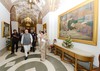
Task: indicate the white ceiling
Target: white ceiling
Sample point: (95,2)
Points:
(23,9)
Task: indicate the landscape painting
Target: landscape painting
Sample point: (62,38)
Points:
(80,23)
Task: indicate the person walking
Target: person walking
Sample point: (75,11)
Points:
(39,39)
(21,33)
(42,47)
(34,36)
(47,44)
(15,38)
(26,41)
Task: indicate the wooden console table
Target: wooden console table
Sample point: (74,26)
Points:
(75,53)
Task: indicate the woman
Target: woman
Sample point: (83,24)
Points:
(39,36)
(42,46)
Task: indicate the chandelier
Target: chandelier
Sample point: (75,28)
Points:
(31,2)
(28,25)
(27,19)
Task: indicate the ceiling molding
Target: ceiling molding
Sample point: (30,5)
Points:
(7,4)
(23,10)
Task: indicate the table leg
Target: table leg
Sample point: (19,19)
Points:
(91,66)
(75,64)
(55,52)
(62,57)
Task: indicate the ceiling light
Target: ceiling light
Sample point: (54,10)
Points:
(12,1)
(28,24)
(27,19)
(31,2)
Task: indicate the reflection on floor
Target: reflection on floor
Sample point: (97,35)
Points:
(16,62)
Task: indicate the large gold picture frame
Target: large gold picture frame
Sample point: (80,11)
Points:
(5,29)
(80,22)
(44,27)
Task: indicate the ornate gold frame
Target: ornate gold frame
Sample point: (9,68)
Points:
(3,27)
(95,23)
(44,26)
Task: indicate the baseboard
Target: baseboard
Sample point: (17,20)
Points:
(3,51)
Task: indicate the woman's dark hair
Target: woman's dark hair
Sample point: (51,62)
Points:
(42,32)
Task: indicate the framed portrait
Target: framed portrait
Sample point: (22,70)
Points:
(44,27)
(5,29)
(80,23)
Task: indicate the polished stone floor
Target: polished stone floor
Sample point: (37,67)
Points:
(16,62)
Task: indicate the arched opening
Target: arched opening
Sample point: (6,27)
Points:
(23,16)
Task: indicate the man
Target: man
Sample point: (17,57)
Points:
(26,41)
(34,36)
(21,33)
(15,39)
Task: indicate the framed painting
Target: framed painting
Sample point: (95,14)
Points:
(5,29)
(44,27)
(80,23)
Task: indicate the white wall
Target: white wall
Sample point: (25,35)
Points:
(53,27)
(46,20)
(39,27)
(4,16)
(14,25)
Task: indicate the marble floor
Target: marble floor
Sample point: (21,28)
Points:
(16,62)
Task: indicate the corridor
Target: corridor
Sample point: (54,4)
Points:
(68,27)
(16,62)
